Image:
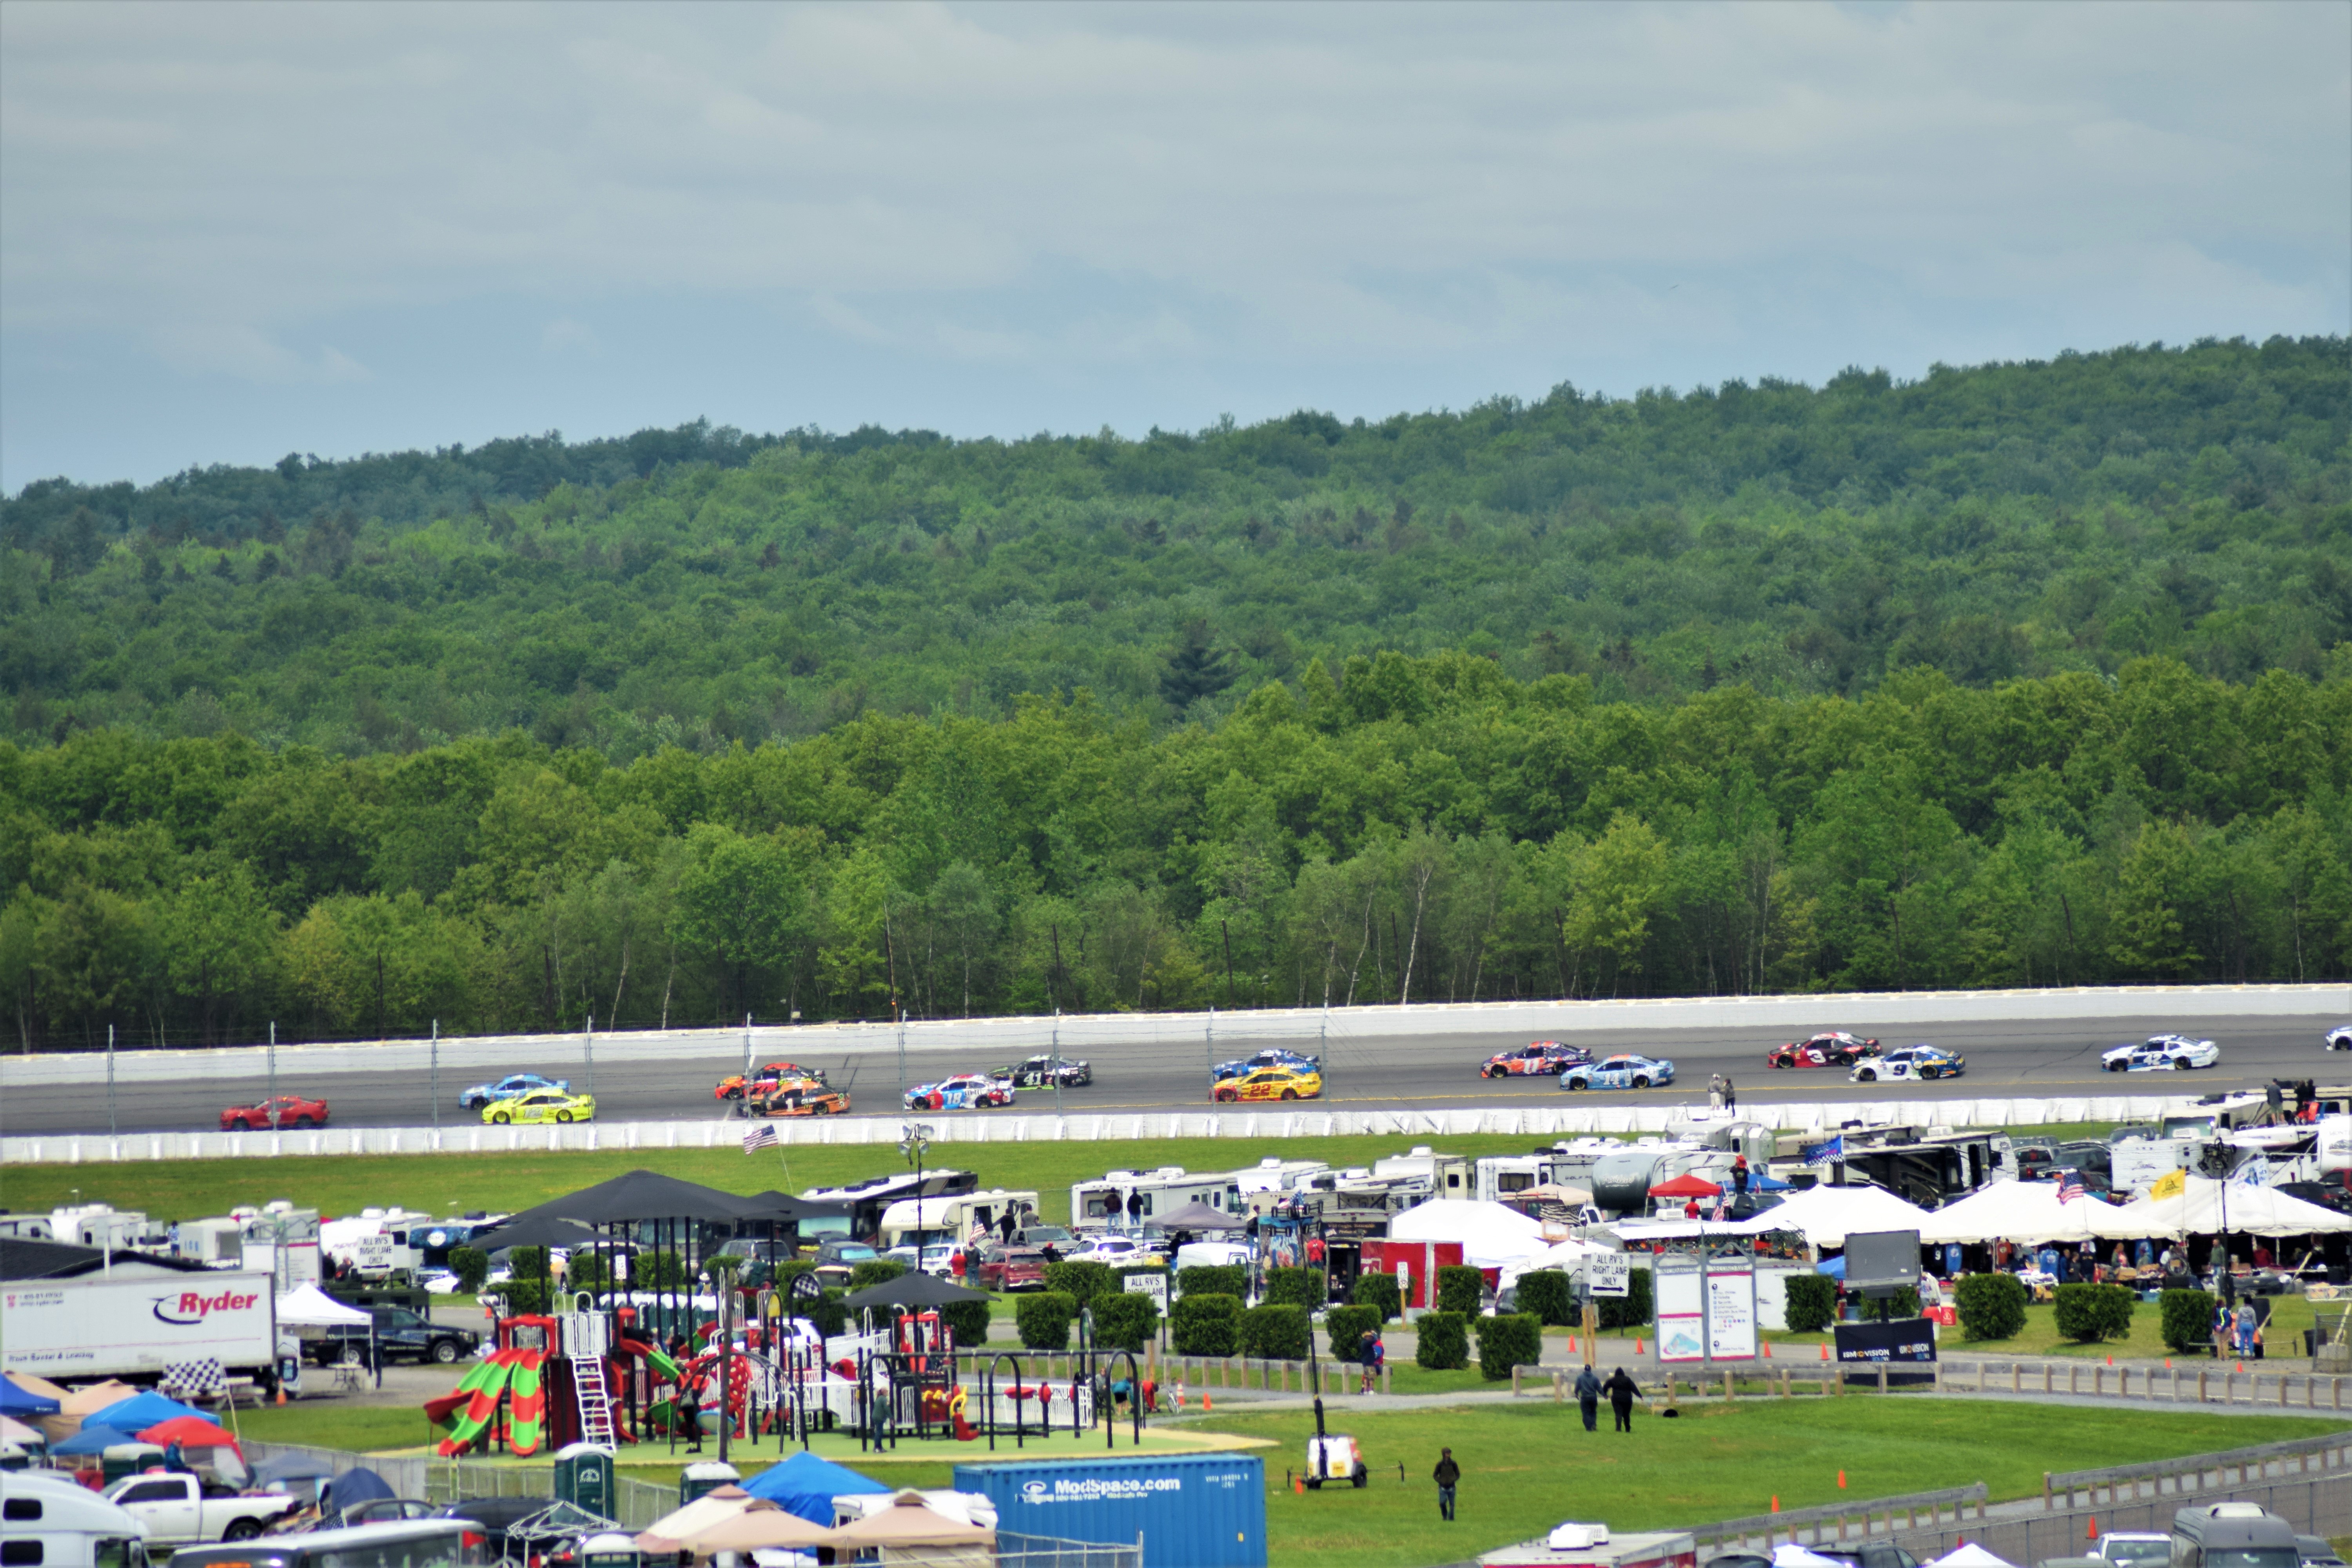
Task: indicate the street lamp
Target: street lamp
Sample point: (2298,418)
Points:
(2214,1161)
(914,1137)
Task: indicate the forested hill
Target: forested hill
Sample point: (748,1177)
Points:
(698,587)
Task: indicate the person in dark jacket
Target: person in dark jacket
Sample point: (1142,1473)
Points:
(1622,1391)
(690,1410)
(1587,1398)
(1448,1475)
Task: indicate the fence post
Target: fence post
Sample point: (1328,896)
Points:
(1882,1377)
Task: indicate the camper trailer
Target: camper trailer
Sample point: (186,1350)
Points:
(866,1200)
(1621,1181)
(1102,1205)
(912,1222)
(104,1226)
(1437,1176)
(1501,1175)
(1923,1166)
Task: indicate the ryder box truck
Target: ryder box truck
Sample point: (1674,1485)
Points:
(135,1325)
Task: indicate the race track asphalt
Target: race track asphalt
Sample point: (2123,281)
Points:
(1400,1072)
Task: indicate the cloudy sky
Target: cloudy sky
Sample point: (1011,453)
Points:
(229,232)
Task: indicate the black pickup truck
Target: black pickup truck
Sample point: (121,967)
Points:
(400,1335)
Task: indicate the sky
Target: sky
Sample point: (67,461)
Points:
(229,232)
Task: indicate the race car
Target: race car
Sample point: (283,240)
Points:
(1271,1083)
(1834,1048)
(1270,1057)
(766,1079)
(1544,1058)
(1619,1072)
(292,1109)
(797,1097)
(1910,1064)
(1043,1072)
(964,1092)
(511,1086)
(2339,1040)
(542,1105)
(2161,1053)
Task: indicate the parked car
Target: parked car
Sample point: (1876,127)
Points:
(802,1097)
(931,1259)
(834,1259)
(1053,1236)
(1867,1556)
(1270,1057)
(1271,1083)
(1006,1268)
(2313,1552)
(1912,1063)
(1832,1048)
(2135,1548)
(400,1335)
(767,1077)
(964,1092)
(1045,1071)
(2161,1053)
(292,1111)
(1619,1072)
(1114,1249)
(1542,1058)
(514,1085)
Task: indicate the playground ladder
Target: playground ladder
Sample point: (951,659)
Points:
(595,1404)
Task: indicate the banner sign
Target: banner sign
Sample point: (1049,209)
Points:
(1731,1310)
(1682,1309)
(1609,1274)
(1905,1342)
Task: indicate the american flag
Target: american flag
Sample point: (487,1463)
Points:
(763,1136)
(2069,1185)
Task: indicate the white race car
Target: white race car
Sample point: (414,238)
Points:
(2161,1053)
(1910,1064)
(2339,1040)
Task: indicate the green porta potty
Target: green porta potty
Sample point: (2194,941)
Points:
(707,1477)
(584,1477)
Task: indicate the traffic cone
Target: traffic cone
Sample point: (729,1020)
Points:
(2168,1363)
(2091,1530)
(2111,1360)
(1207,1403)
(1825,1352)
(1767,1350)
(281,1393)
(2242,1366)
(1298,1485)
(1637,1350)
(1841,1480)
(1776,1502)
(1571,1345)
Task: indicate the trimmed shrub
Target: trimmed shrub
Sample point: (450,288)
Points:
(527,1262)
(2088,1314)
(1345,1328)
(657,1271)
(1550,1295)
(1444,1343)
(1206,1323)
(471,1265)
(523,1298)
(1459,1288)
(1275,1331)
(1295,1287)
(1081,1279)
(1630,1311)
(1509,1340)
(1811,1303)
(1043,1321)
(1213,1279)
(875,1271)
(1124,1321)
(2188,1318)
(970,1320)
(1991,1306)
(827,1312)
(1379,1292)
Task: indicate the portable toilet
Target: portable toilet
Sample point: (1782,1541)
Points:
(610,1549)
(584,1477)
(707,1477)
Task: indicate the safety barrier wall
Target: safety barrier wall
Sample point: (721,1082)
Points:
(1878,1012)
(993,1126)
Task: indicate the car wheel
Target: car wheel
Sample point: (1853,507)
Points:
(1931,1072)
(232,1126)
(563,1116)
(1220,1098)
(2181,1064)
(1576,1085)
(1639,1082)
(1290,1094)
(2116,1067)
(445,1351)
(1314,1483)
(1866,1076)
(501,1119)
(242,1530)
(1361,1476)
(303,1124)
(1777,1063)
(1490,1072)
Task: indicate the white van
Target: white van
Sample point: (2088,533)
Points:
(72,1525)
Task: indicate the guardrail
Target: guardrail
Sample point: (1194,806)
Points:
(1572,1120)
(2333,1452)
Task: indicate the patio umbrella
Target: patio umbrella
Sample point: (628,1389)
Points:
(643,1195)
(189,1432)
(911,1290)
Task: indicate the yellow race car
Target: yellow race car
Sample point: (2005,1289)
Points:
(1270,1083)
(542,1105)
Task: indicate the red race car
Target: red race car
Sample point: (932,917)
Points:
(1835,1048)
(1544,1058)
(293,1112)
(766,1079)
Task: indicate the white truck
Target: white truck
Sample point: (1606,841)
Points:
(138,1321)
(60,1523)
(180,1507)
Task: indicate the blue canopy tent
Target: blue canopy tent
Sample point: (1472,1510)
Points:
(138,1412)
(805,1485)
(1832,1267)
(23,1402)
(352,1488)
(93,1440)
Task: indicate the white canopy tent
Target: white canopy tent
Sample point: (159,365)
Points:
(1557,1255)
(2202,1204)
(1491,1234)
(308,1307)
(2023,1211)
(1826,1215)
(1968,1554)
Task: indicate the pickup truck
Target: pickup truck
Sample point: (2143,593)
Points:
(182,1508)
(401,1334)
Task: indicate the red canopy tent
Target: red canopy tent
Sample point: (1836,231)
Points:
(191,1432)
(1687,1187)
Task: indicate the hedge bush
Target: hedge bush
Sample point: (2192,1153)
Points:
(875,1271)
(471,1265)
(1509,1340)
(1345,1328)
(1630,1311)
(2089,1313)
(1043,1321)
(657,1271)
(2188,1318)
(1459,1288)
(527,1262)
(1206,1323)
(1991,1306)
(1081,1279)
(827,1312)
(1811,1303)
(1295,1287)
(970,1320)
(1213,1279)
(1379,1292)
(1550,1295)
(523,1298)
(1444,1343)
(1125,1319)
(1275,1331)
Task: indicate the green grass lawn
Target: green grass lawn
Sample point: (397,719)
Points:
(338,1424)
(2290,1315)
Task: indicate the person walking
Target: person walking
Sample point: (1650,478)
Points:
(1374,1353)
(1622,1391)
(1587,1398)
(1448,1475)
(690,1410)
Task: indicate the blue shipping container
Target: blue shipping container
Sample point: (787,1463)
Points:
(1192,1510)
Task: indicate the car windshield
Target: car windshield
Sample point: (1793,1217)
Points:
(2138,1551)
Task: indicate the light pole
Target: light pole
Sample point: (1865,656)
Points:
(914,1138)
(2215,1158)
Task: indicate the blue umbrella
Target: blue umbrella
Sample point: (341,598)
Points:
(92,1440)
(138,1412)
(16,1401)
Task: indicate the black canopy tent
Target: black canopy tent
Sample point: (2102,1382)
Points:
(1197,1216)
(911,1290)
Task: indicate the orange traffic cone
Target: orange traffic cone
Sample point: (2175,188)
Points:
(1207,1403)
(1571,1345)
(1637,1350)
(1767,1350)
(1825,1352)
(281,1393)
(2168,1363)
(1841,1480)
(2242,1366)
(1298,1485)
(2111,1360)
(1776,1502)
(2091,1530)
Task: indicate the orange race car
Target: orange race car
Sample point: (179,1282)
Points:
(798,1097)
(766,1079)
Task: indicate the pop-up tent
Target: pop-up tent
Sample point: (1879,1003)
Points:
(138,1412)
(19,1401)
(1686,1185)
(1197,1216)
(308,1307)
(2019,1211)
(1968,1554)
(806,1485)
(1826,1215)
(92,1439)
(2206,1207)
(1491,1234)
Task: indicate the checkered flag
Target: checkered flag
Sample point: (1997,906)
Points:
(204,1378)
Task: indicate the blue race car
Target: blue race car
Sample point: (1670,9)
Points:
(1619,1072)
(1270,1057)
(512,1087)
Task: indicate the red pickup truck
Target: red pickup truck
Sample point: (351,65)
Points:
(1013,1268)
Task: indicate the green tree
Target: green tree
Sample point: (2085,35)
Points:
(219,937)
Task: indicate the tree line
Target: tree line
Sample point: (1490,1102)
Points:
(1395,829)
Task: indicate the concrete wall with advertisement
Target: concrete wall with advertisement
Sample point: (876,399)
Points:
(94,1327)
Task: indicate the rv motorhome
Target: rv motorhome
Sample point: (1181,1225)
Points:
(1102,1205)
(913,1222)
